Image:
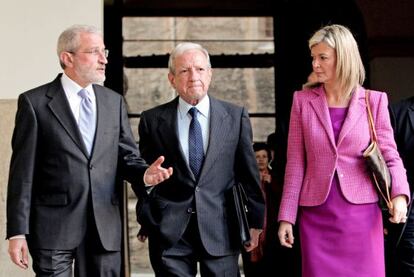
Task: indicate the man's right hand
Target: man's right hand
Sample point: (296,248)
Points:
(19,252)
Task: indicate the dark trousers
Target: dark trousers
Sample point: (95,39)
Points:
(90,258)
(182,259)
(278,261)
(400,260)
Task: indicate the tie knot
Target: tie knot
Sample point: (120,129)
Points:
(193,112)
(83,93)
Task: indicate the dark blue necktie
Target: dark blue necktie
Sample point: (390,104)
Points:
(195,144)
(87,120)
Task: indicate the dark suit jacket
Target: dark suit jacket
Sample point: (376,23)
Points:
(402,120)
(52,177)
(229,158)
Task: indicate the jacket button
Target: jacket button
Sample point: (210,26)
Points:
(197,188)
(190,210)
(90,166)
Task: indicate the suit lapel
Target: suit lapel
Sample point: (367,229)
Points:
(411,116)
(103,115)
(60,108)
(218,122)
(320,107)
(356,110)
(167,132)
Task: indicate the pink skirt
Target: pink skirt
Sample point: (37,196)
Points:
(341,239)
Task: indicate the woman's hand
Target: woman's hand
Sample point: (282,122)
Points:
(285,234)
(398,210)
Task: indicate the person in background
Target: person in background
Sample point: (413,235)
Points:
(400,238)
(271,142)
(260,261)
(72,144)
(208,142)
(311,81)
(327,187)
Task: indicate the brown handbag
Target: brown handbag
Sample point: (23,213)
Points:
(376,164)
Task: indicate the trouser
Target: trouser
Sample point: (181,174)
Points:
(89,258)
(183,258)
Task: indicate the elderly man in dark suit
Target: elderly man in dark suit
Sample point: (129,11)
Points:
(400,239)
(72,144)
(208,142)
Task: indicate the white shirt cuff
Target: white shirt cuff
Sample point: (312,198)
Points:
(17,237)
(148,187)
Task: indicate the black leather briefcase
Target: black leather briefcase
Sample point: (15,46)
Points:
(240,210)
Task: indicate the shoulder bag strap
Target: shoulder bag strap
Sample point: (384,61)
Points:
(370,118)
(387,198)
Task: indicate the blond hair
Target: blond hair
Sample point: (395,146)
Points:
(349,67)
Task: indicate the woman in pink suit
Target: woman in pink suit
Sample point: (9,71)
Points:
(327,186)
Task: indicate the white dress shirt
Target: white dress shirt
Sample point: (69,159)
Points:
(184,119)
(71,89)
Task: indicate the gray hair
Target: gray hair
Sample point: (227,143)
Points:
(69,39)
(349,67)
(183,47)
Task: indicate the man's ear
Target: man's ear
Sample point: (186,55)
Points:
(171,78)
(66,58)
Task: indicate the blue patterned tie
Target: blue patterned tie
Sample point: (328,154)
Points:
(87,119)
(195,144)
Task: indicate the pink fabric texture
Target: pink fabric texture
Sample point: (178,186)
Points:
(339,238)
(313,156)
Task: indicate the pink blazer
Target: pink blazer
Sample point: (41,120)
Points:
(313,156)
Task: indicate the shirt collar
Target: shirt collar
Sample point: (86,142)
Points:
(71,88)
(203,107)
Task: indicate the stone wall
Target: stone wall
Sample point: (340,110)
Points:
(138,251)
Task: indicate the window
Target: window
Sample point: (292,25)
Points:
(241,50)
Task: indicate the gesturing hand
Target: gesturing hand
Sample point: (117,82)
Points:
(156,174)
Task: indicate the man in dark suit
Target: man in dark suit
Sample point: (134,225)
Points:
(72,144)
(400,239)
(208,142)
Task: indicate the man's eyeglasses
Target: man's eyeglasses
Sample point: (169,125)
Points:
(95,52)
